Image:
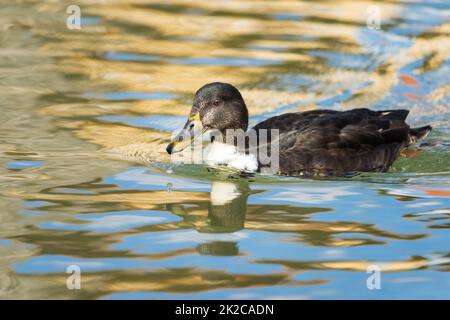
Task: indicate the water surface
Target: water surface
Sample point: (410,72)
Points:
(85,180)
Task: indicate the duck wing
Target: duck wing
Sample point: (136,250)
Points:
(330,142)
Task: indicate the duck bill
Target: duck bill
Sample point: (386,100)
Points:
(191,131)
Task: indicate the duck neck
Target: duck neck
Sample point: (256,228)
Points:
(236,138)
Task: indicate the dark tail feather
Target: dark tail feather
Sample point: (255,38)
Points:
(419,133)
(399,134)
(399,114)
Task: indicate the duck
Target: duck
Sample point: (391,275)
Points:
(316,142)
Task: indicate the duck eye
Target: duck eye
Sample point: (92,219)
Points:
(216,102)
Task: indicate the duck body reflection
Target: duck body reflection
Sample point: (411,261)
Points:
(228,205)
(226,214)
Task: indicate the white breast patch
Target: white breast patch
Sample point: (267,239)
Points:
(224,154)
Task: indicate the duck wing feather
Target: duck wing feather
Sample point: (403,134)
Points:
(328,141)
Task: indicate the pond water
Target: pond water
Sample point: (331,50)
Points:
(85,179)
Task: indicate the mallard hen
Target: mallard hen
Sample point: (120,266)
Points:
(314,142)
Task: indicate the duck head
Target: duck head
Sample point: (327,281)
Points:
(217,106)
